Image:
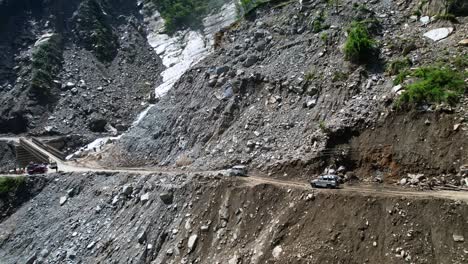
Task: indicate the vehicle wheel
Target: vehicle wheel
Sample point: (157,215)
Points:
(313,185)
(329,186)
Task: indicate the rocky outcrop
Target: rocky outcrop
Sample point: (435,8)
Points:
(101,64)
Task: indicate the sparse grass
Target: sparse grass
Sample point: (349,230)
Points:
(434,84)
(309,76)
(9,184)
(448,17)
(398,65)
(461,62)
(323,127)
(339,76)
(318,23)
(324,37)
(181,14)
(359,45)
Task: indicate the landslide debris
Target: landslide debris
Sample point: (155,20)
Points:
(122,218)
(279,96)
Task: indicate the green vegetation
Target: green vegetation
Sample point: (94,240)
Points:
(448,17)
(339,76)
(309,76)
(324,37)
(318,23)
(398,65)
(434,84)
(334,3)
(10,184)
(46,63)
(401,76)
(182,14)
(359,45)
(95,31)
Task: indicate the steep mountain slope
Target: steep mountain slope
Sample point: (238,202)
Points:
(123,218)
(73,66)
(280,95)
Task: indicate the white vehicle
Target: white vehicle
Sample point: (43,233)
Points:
(326,181)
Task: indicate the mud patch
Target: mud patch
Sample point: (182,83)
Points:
(428,143)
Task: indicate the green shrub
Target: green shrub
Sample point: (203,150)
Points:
(359,45)
(181,14)
(10,184)
(398,65)
(434,85)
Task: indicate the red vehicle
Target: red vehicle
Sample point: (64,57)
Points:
(36,169)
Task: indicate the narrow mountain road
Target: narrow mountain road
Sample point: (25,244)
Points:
(372,190)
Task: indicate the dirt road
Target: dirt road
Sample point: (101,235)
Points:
(381,189)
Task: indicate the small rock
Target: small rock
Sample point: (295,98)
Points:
(145,197)
(71,254)
(425,19)
(463,42)
(192,242)
(277,252)
(222,69)
(458,238)
(127,190)
(142,237)
(403,181)
(374,244)
(439,33)
(166,197)
(63,200)
(90,245)
(251,60)
(456,126)
(427,122)
(204,228)
(169,252)
(397,88)
(69,85)
(74,90)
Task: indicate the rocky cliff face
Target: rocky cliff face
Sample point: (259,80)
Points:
(73,66)
(279,95)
